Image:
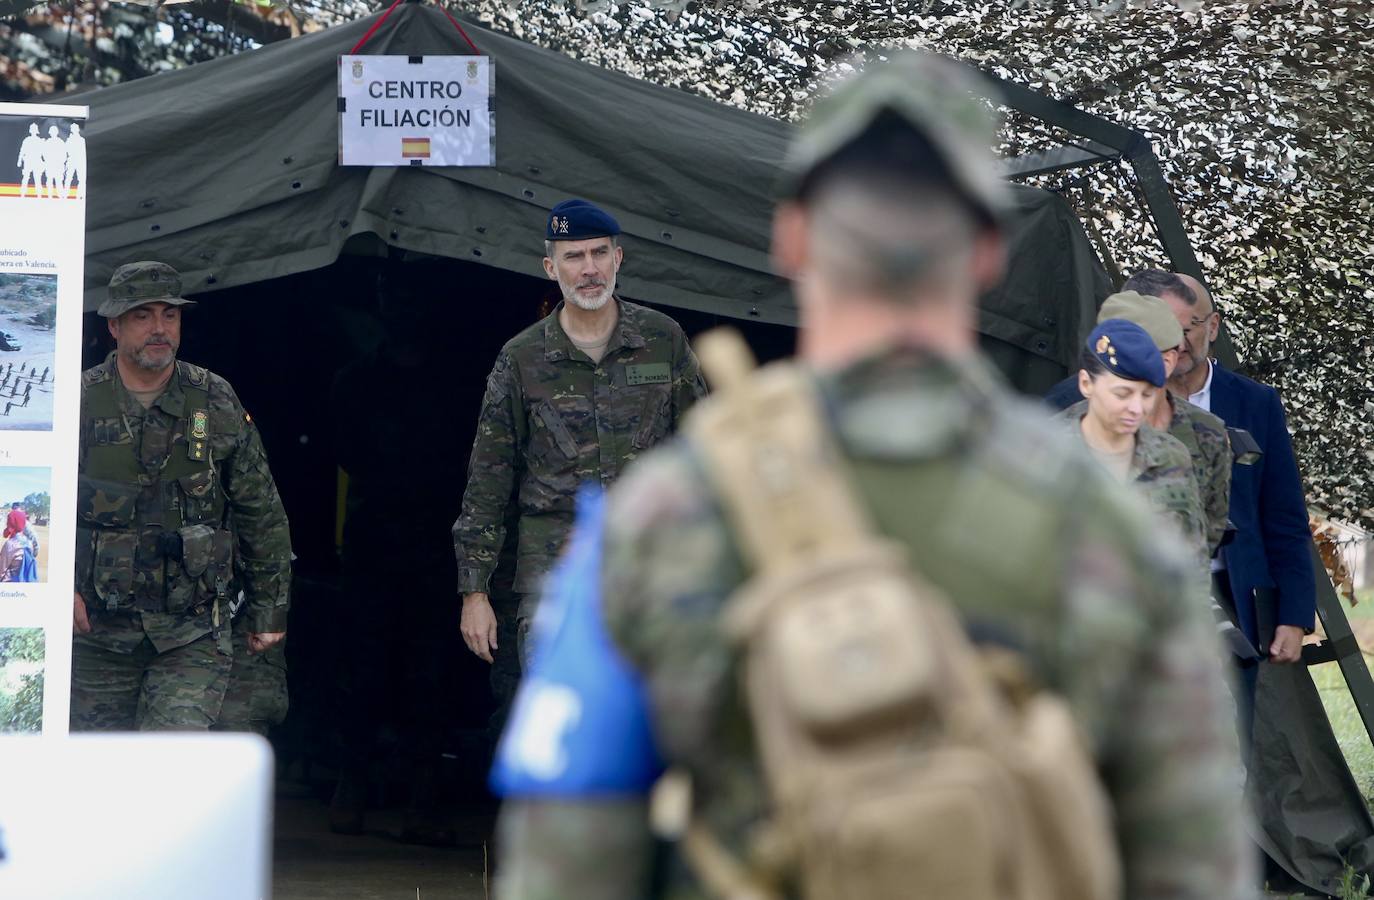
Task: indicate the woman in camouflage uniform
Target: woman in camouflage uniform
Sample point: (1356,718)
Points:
(1119,375)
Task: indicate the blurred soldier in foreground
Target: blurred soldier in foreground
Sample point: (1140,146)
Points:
(573,398)
(900,786)
(169,462)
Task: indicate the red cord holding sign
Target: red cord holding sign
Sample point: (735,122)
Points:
(378,24)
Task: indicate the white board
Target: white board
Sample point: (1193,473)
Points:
(416,111)
(42,254)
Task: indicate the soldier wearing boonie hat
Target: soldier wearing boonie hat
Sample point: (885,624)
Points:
(140,283)
(175,502)
(887,229)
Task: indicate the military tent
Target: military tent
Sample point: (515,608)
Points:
(228,170)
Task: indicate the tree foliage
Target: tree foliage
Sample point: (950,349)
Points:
(38,505)
(21,679)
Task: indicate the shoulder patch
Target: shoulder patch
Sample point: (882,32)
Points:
(195,375)
(96,375)
(653,319)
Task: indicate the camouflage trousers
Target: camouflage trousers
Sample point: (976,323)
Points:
(179,690)
(514,615)
(256,698)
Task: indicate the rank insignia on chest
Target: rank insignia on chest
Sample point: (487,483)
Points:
(200,432)
(647,373)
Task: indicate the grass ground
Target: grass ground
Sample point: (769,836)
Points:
(1340,709)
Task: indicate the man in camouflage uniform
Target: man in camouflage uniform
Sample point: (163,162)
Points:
(174,497)
(889,235)
(256,698)
(571,400)
(1143,301)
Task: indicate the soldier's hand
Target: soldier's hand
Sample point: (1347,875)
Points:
(1287,646)
(259,641)
(81,624)
(479,624)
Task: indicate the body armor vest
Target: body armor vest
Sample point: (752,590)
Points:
(151,529)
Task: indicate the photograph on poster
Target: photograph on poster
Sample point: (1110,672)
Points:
(28,340)
(21,680)
(49,158)
(25,492)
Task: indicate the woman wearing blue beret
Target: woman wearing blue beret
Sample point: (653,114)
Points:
(1120,373)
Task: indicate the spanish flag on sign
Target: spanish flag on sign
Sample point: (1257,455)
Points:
(415,148)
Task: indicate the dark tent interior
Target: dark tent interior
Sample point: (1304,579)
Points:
(423,334)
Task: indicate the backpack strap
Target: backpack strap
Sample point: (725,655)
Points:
(764,439)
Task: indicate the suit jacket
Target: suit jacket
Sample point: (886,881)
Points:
(1065,393)
(1273,544)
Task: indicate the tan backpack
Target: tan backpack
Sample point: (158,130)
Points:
(901,762)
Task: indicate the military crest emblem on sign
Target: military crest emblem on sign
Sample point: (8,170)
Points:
(357,69)
(472,71)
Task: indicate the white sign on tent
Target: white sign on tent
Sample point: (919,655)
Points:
(42,257)
(416,111)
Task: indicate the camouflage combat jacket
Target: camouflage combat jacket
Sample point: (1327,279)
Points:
(1162,470)
(173,502)
(553,420)
(1030,539)
(1204,436)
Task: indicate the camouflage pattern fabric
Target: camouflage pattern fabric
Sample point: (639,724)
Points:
(112,553)
(1205,438)
(1162,470)
(256,697)
(1031,540)
(144,689)
(553,420)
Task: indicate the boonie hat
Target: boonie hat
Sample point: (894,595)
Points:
(138,283)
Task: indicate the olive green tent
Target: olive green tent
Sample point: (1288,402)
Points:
(228,170)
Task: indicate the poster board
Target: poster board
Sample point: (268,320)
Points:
(42,255)
(416,111)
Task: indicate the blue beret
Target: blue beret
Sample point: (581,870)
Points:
(1127,350)
(578,220)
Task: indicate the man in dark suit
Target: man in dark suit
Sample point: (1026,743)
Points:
(1267,568)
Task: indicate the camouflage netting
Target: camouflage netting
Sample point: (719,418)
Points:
(1262,114)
